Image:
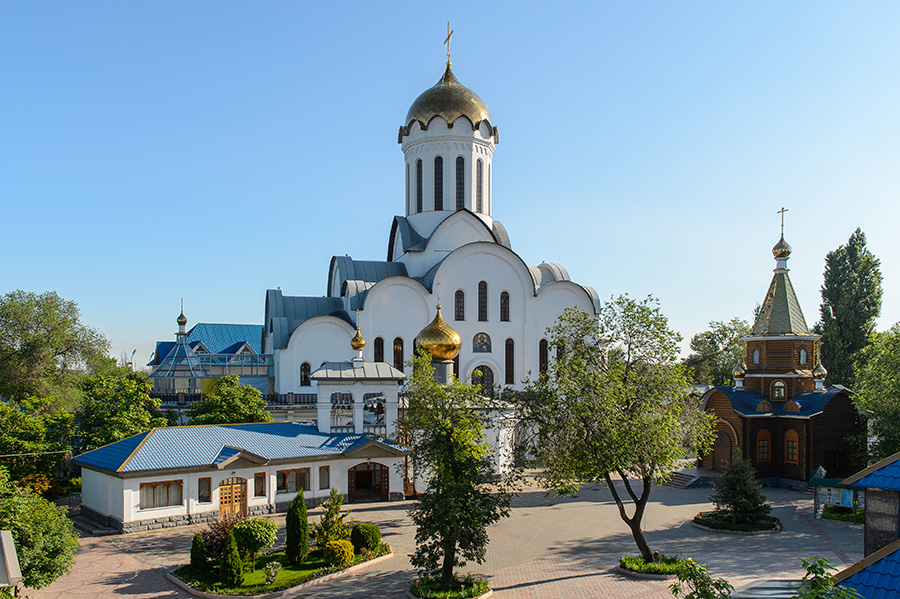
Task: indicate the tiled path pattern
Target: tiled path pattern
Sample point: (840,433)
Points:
(549,548)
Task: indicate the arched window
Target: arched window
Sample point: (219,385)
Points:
(407,187)
(791,447)
(478,185)
(459,305)
(398,354)
(304,374)
(504,307)
(756,356)
(543,356)
(482,302)
(460,182)
(481,343)
(510,362)
(484,378)
(378,346)
(763,447)
(778,390)
(438,183)
(324,477)
(803,355)
(418,185)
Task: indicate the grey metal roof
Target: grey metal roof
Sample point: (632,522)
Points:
(357,370)
(780,313)
(501,234)
(199,446)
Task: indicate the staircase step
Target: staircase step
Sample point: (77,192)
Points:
(680,480)
(89,527)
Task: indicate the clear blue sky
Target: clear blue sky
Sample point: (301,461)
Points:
(213,150)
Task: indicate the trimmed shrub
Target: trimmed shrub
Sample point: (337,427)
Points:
(365,534)
(214,538)
(231,570)
(254,534)
(271,571)
(198,554)
(338,553)
(296,543)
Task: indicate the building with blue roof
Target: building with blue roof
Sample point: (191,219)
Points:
(191,474)
(778,414)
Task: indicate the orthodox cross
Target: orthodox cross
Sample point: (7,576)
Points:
(447,41)
(781,212)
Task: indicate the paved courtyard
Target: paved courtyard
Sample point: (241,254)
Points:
(549,548)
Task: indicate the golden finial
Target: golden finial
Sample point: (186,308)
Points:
(739,370)
(357,342)
(439,339)
(182,319)
(447,41)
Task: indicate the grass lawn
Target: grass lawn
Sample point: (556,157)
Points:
(844,514)
(460,588)
(255,582)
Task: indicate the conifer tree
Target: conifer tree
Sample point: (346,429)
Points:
(331,526)
(737,492)
(231,570)
(198,553)
(297,533)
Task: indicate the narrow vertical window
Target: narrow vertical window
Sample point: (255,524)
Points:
(803,356)
(438,183)
(543,356)
(418,186)
(407,188)
(379,349)
(778,390)
(488,192)
(478,185)
(304,374)
(460,182)
(259,484)
(791,446)
(398,354)
(482,302)
(459,305)
(504,307)
(763,446)
(756,356)
(324,477)
(510,362)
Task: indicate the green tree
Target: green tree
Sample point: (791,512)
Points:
(331,525)
(45,539)
(198,553)
(231,568)
(253,534)
(738,492)
(878,392)
(614,403)
(818,583)
(696,583)
(446,423)
(851,301)
(230,402)
(117,407)
(717,351)
(36,438)
(296,542)
(44,348)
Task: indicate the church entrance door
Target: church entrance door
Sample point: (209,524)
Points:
(722,452)
(368,482)
(233,497)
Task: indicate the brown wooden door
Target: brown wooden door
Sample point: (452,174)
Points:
(351,485)
(722,452)
(233,497)
(385,481)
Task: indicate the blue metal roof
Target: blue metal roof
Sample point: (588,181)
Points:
(217,338)
(882,475)
(880,579)
(197,446)
(811,403)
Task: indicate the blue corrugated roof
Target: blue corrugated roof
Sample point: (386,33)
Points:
(193,446)
(878,580)
(217,338)
(887,477)
(811,403)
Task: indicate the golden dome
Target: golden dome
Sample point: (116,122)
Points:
(739,370)
(182,319)
(357,342)
(819,372)
(439,339)
(449,99)
(781,249)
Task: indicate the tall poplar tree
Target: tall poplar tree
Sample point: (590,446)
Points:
(851,301)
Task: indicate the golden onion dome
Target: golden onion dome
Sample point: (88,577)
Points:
(357,342)
(819,372)
(739,370)
(450,100)
(781,249)
(182,319)
(439,339)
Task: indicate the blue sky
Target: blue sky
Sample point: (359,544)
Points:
(213,150)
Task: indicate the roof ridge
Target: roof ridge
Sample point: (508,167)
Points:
(135,450)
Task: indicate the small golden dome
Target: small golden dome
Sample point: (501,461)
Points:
(819,372)
(357,342)
(782,249)
(739,370)
(439,339)
(182,319)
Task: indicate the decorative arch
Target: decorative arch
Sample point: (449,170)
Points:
(779,390)
(764,406)
(763,447)
(481,343)
(792,407)
(368,481)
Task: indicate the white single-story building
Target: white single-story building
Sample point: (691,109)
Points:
(192,474)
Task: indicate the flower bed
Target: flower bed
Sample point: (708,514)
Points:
(723,521)
(666,565)
(460,588)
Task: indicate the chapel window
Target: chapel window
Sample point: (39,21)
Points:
(398,354)
(481,343)
(763,447)
(778,390)
(478,185)
(259,484)
(791,445)
(438,183)
(756,356)
(304,374)
(418,185)
(543,356)
(504,307)
(510,362)
(204,490)
(378,347)
(482,302)
(460,182)
(459,305)
(484,377)
(803,355)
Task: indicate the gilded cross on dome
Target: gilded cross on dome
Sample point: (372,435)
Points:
(447,41)
(781,212)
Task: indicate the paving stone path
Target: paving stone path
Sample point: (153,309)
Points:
(548,548)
